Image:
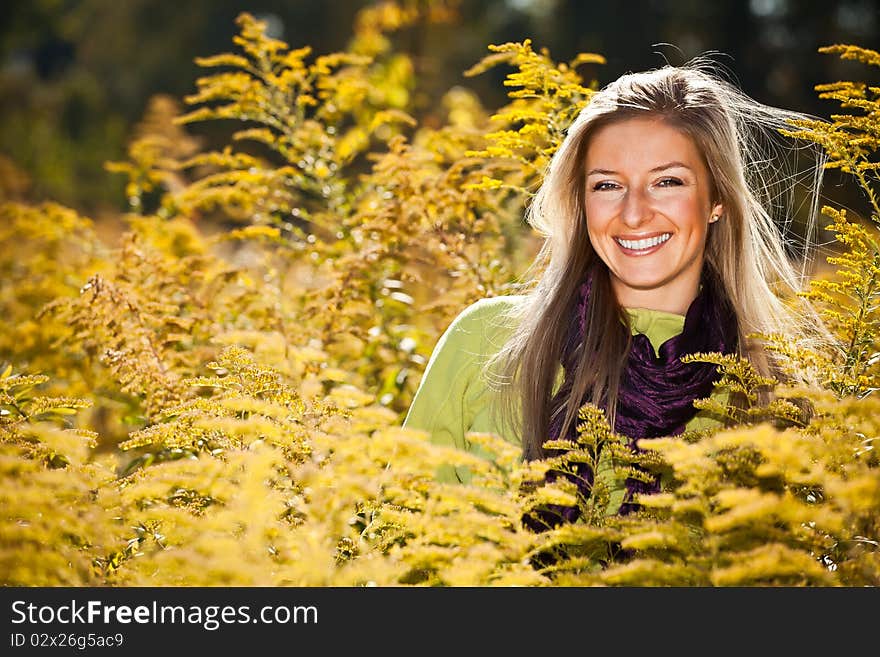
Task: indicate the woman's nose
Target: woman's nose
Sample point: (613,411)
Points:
(636,208)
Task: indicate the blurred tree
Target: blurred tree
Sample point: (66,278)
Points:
(76,76)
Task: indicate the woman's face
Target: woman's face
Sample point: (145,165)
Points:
(648,210)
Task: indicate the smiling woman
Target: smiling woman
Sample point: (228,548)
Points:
(647,205)
(665,235)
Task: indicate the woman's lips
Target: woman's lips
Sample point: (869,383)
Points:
(642,246)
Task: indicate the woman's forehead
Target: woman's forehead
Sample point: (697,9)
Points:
(648,143)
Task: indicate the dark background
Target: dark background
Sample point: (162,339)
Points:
(76,76)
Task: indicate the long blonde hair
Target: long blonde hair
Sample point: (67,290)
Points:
(760,189)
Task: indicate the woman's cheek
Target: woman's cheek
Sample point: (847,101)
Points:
(601,209)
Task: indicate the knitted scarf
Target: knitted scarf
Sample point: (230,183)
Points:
(656,393)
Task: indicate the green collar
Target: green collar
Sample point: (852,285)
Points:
(657,325)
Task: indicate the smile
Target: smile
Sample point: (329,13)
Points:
(643,244)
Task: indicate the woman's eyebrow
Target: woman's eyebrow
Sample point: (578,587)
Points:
(662,167)
(670,165)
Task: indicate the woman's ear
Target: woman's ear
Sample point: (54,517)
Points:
(717,213)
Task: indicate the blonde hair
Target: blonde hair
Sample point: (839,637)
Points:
(753,177)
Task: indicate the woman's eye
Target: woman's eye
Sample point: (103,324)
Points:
(601,186)
(670,182)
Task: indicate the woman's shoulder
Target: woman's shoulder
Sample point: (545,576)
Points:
(491,306)
(500,312)
(485,324)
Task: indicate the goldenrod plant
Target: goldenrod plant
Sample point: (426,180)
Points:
(214,396)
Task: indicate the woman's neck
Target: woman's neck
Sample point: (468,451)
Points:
(674,297)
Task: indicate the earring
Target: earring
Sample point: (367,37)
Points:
(714,218)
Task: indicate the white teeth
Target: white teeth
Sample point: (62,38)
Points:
(640,245)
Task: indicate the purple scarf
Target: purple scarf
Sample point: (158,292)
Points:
(656,393)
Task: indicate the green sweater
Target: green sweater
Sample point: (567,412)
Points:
(453,397)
